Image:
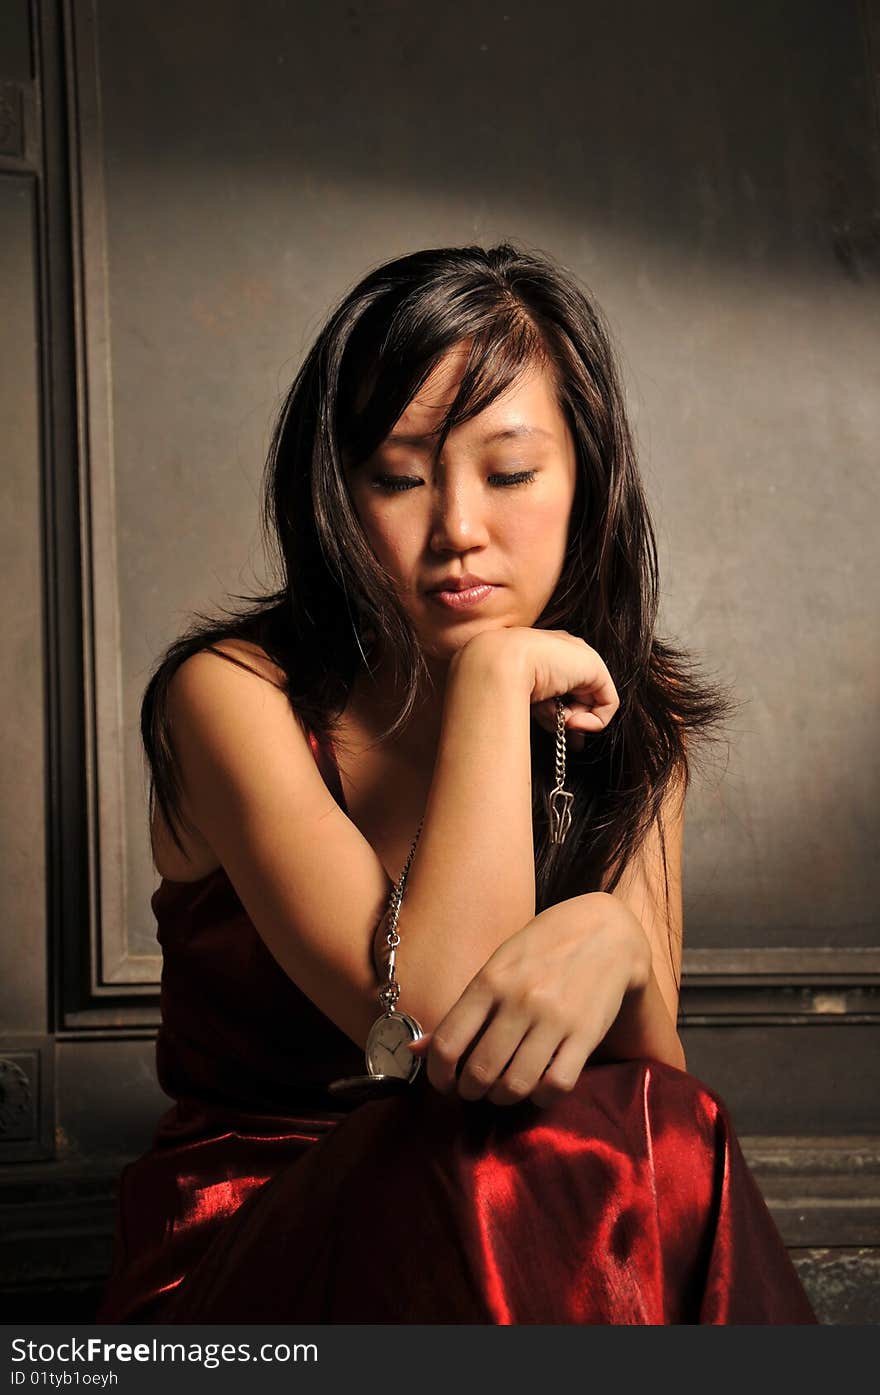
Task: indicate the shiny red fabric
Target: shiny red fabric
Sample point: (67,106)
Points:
(628,1201)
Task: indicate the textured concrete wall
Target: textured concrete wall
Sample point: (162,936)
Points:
(710,171)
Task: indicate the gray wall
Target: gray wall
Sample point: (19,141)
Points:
(710,172)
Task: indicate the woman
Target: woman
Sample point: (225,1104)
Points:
(463,539)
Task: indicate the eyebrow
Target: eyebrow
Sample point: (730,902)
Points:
(503,434)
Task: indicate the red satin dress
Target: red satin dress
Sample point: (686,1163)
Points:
(627,1201)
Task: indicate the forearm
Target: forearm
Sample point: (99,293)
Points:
(472,881)
(643,1028)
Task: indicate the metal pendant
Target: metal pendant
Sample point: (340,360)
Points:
(560,802)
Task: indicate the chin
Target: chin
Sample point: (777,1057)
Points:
(445,646)
(442,651)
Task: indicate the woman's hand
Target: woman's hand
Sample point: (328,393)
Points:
(541,1004)
(557,664)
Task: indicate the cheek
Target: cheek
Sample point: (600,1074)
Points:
(395,542)
(540,531)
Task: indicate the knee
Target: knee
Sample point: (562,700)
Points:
(666,1085)
(657,1094)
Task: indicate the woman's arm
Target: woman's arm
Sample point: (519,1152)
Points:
(472,881)
(617,974)
(643,1028)
(651,893)
(574,984)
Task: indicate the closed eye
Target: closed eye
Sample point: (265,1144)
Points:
(396,483)
(521,477)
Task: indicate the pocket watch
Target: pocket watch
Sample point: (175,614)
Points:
(388,1045)
(391,1066)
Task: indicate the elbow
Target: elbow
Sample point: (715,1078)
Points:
(677,1056)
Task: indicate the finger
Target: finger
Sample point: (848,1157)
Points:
(545,715)
(597,718)
(563,1072)
(587,719)
(527,1065)
(453,1036)
(575,737)
(599,701)
(489,1056)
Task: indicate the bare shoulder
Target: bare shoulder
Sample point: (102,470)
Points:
(229,711)
(216,698)
(244,653)
(311,884)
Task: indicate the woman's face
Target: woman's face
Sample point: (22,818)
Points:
(497,506)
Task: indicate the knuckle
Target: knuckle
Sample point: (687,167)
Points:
(493,978)
(508,1091)
(441,1082)
(476,1073)
(540,999)
(559,1082)
(516,1086)
(443,1050)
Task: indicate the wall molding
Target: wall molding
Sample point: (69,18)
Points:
(792,964)
(110,963)
(720,987)
(782,986)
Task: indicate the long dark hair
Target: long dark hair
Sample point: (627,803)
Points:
(513,308)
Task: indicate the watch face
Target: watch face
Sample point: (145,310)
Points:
(387,1046)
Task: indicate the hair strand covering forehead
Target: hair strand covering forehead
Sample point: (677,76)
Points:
(500,340)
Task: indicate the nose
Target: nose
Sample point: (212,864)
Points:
(458,520)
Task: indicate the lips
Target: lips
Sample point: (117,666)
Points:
(466,582)
(463,599)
